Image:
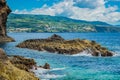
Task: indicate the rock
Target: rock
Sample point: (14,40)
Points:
(107,53)
(46,66)
(4,12)
(55,37)
(10,72)
(95,53)
(22,63)
(56,43)
(3,56)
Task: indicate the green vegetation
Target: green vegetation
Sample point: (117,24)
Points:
(45,23)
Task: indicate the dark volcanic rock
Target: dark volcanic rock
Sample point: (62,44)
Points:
(4,12)
(46,66)
(108,53)
(22,63)
(3,56)
(56,43)
(95,53)
(55,37)
(25,63)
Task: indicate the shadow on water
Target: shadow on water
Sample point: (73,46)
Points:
(2,45)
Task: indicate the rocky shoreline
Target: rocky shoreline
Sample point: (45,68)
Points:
(26,63)
(56,43)
(6,39)
(8,70)
(12,66)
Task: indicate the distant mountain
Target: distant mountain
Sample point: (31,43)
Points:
(46,23)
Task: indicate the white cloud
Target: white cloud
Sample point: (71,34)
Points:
(94,11)
(89,3)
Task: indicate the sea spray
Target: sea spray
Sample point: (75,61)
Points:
(46,74)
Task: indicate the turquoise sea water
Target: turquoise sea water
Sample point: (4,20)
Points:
(76,67)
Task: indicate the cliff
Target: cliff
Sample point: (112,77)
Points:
(9,70)
(56,43)
(4,12)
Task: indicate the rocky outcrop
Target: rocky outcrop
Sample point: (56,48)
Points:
(56,43)
(25,63)
(46,66)
(22,63)
(4,12)
(55,37)
(9,71)
(18,67)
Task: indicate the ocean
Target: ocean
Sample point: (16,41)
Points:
(71,67)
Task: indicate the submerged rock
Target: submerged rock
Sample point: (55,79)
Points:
(46,66)
(56,43)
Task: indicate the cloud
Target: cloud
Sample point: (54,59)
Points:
(89,3)
(91,10)
(113,0)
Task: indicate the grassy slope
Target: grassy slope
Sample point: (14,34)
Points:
(44,23)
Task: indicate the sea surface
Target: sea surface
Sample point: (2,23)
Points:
(72,67)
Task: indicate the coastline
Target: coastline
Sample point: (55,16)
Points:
(83,65)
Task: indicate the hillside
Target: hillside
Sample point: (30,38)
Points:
(45,23)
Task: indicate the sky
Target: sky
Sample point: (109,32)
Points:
(89,10)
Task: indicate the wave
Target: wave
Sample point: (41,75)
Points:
(116,54)
(45,74)
(39,71)
(84,53)
(51,76)
(55,69)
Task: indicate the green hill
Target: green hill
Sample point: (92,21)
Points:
(45,23)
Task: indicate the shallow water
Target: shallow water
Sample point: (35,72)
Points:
(76,67)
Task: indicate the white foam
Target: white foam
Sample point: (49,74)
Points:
(39,71)
(45,75)
(116,54)
(88,53)
(55,69)
(84,53)
(52,76)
